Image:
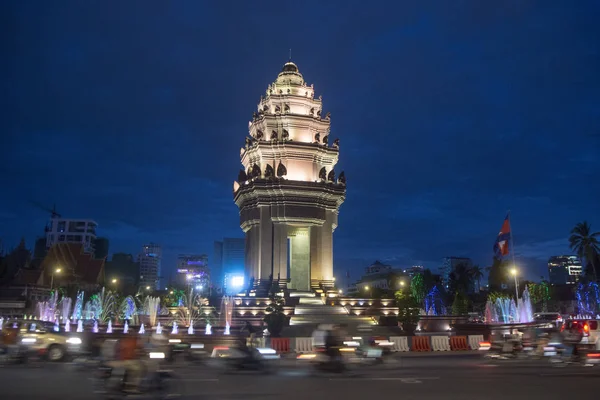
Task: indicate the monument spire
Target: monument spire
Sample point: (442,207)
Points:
(289,198)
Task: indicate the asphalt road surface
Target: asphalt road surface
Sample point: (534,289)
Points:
(431,377)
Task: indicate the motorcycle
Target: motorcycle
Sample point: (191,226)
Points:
(114,382)
(249,359)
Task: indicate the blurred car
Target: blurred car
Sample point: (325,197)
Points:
(548,319)
(590,331)
(40,337)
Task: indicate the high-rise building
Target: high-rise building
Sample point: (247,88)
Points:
(149,260)
(229,260)
(564,270)
(288,193)
(61,230)
(192,269)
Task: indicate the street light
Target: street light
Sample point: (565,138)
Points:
(514,273)
(147,287)
(56,271)
(402,283)
(114,281)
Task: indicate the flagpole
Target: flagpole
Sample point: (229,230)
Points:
(512,252)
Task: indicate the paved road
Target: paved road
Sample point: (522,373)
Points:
(410,378)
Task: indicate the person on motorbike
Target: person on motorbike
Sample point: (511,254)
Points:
(333,343)
(129,357)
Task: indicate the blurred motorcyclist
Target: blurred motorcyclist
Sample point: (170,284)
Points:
(129,356)
(333,342)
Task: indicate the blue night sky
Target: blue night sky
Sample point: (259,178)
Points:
(449,113)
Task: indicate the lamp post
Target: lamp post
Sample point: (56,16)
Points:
(514,273)
(56,271)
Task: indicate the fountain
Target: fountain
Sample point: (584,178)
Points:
(56,326)
(125,327)
(191,330)
(505,310)
(226,312)
(68,325)
(142,330)
(109,328)
(78,308)
(127,309)
(175,330)
(1,322)
(158,329)
(47,309)
(80,326)
(65,307)
(100,306)
(208,329)
(95,328)
(194,310)
(151,308)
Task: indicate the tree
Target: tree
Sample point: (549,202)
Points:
(497,276)
(540,295)
(460,306)
(460,280)
(585,244)
(409,311)
(477,274)
(417,288)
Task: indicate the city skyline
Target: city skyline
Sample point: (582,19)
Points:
(447,118)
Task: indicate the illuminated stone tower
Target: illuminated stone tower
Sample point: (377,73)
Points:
(288,193)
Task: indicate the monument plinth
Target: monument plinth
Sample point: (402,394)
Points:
(288,193)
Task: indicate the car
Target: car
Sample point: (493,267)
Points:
(548,319)
(590,329)
(40,337)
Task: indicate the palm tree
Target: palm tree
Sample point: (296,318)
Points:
(477,274)
(585,244)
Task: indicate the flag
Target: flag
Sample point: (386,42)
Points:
(501,248)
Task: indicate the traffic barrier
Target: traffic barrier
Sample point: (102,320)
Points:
(420,343)
(440,343)
(303,345)
(400,343)
(459,343)
(474,341)
(280,345)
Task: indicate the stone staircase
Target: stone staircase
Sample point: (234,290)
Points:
(314,311)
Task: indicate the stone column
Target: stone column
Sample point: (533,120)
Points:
(316,233)
(265,243)
(280,240)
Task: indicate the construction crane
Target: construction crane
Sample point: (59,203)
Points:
(53,213)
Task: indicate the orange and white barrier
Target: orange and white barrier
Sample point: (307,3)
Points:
(420,343)
(459,343)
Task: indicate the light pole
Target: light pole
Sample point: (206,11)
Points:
(56,271)
(514,273)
